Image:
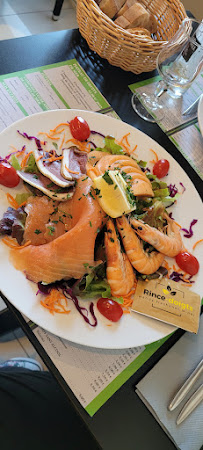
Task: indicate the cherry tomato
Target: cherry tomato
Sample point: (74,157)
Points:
(161,168)
(109,309)
(187,262)
(79,128)
(8,175)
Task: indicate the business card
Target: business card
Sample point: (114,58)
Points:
(168,301)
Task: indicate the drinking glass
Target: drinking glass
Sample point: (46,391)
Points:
(178,63)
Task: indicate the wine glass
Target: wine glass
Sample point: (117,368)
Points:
(178,63)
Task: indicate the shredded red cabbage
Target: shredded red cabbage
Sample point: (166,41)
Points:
(172,190)
(170,215)
(83,311)
(37,141)
(92,143)
(3,159)
(145,169)
(45,288)
(184,188)
(189,233)
(177,276)
(13,153)
(97,132)
(67,291)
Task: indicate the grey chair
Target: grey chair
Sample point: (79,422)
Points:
(57,9)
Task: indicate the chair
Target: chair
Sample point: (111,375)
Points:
(57,9)
(8,321)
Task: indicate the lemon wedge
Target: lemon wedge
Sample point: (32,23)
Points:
(112,194)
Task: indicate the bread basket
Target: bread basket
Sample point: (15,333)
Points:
(132,51)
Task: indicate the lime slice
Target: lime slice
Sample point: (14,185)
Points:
(111,194)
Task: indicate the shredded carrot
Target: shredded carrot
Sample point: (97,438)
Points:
(62,142)
(24,161)
(185,279)
(91,171)
(53,158)
(127,302)
(49,136)
(12,244)
(53,302)
(9,242)
(176,269)
(126,144)
(52,133)
(155,155)
(40,157)
(177,224)
(59,125)
(71,171)
(125,147)
(109,324)
(23,204)
(14,148)
(131,292)
(83,146)
(16,151)
(197,242)
(125,137)
(134,148)
(12,201)
(22,246)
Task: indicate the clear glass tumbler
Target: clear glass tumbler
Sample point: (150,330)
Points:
(178,63)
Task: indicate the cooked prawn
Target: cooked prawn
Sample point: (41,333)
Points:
(169,244)
(140,185)
(120,274)
(142,261)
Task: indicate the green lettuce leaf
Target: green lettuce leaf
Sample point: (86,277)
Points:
(110,146)
(14,162)
(31,165)
(21,198)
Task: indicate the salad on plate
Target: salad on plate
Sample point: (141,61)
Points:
(90,219)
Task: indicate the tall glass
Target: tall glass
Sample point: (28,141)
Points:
(178,63)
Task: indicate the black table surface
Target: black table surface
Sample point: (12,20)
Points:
(124,421)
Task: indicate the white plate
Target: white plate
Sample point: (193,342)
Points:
(200,114)
(133,329)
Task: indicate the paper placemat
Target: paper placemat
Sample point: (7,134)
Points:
(92,374)
(183,131)
(56,86)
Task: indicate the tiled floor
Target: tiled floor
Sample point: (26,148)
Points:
(19,18)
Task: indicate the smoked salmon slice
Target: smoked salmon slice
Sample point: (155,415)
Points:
(69,255)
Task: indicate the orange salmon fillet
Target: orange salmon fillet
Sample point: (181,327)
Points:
(66,256)
(46,219)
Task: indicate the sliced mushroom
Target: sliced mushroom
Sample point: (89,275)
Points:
(42,183)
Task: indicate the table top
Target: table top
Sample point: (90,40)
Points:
(122,420)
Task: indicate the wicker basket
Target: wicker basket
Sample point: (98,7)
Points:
(134,52)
